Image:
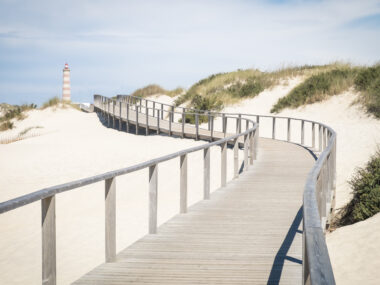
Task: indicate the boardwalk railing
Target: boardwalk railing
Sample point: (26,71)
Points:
(246,139)
(319,191)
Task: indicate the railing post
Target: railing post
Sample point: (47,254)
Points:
(223,176)
(170,124)
(183,184)
(162,111)
(127,117)
(251,150)
(146,107)
(140,104)
(154,108)
(110,219)
(274,128)
(158,122)
(113,114)
(196,126)
(224,124)
(153,199)
(212,128)
(146,121)
(302,132)
(313,134)
(206,173)
(108,114)
(120,116)
(324,138)
(245,152)
(236,158)
(49,271)
(172,114)
(137,120)
(208,121)
(238,130)
(320,138)
(183,125)
(289,129)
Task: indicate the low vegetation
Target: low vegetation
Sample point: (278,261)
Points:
(327,83)
(57,102)
(11,112)
(154,89)
(366,190)
(230,88)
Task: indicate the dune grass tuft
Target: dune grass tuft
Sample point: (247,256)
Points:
(13,112)
(154,89)
(366,189)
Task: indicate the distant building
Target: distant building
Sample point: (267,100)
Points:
(66,91)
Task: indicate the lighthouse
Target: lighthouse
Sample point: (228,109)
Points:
(66,91)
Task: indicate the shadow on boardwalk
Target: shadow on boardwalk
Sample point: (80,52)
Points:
(281,256)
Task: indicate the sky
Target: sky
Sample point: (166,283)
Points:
(115,47)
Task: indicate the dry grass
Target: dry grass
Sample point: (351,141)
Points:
(154,89)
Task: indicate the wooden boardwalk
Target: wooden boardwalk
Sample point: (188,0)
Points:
(249,232)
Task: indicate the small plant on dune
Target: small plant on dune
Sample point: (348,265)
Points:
(317,88)
(7,125)
(25,131)
(368,83)
(366,189)
(55,101)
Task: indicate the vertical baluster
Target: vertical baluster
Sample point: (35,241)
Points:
(146,122)
(206,173)
(183,125)
(154,108)
(110,219)
(183,183)
(196,126)
(320,138)
(48,241)
(273,128)
(120,121)
(224,127)
(113,114)
(170,124)
(153,199)
(137,120)
(236,158)
(302,132)
(289,126)
(212,128)
(251,149)
(313,134)
(223,164)
(245,152)
(162,111)
(127,119)
(158,122)
(324,138)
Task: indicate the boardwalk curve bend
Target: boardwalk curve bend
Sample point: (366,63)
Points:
(212,253)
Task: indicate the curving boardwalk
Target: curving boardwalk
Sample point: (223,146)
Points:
(249,232)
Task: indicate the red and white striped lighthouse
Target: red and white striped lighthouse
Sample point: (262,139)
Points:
(66,91)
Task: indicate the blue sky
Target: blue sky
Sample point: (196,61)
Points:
(115,47)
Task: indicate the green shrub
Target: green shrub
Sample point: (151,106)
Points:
(7,125)
(153,89)
(366,189)
(317,88)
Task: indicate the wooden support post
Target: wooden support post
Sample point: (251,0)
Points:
(236,158)
(183,125)
(223,176)
(110,219)
(302,132)
(320,138)
(120,116)
(108,114)
(196,126)
(324,138)
(238,131)
(146,122)
(170,124)
(183,184)
(273,128)
(313,135)
(172,114)
(49,272)
(127,119)
(158,122)
(140,104)
(137,120)
(289,126)
(256,142)
(245,152)
(146,107)
(206,173)
(153,199)
(209,121)
(212,128)
(251,149)
(224,127)
(162,111)
(113,114)
(154,108)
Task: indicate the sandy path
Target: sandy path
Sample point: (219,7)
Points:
(76,145)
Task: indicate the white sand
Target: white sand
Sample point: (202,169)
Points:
(75,145)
